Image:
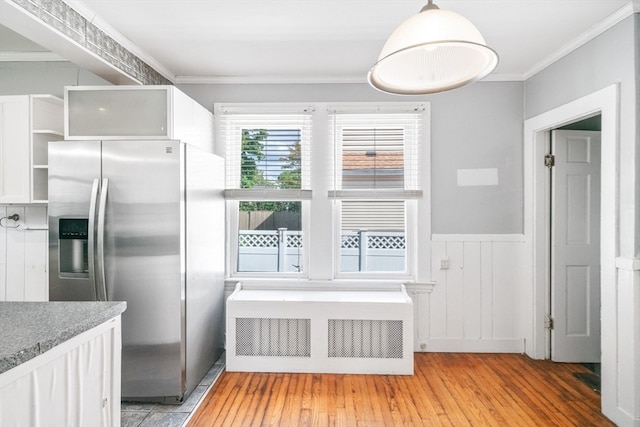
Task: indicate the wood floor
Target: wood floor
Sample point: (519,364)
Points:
(446,390)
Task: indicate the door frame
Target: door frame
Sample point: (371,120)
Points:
(537,217)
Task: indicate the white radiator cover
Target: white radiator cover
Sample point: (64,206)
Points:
(320,331)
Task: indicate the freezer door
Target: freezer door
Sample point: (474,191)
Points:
(144,261)
(74,176)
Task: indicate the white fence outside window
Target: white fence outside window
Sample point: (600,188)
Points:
(281,250)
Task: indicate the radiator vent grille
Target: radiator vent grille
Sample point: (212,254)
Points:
(365,338)
(273,337)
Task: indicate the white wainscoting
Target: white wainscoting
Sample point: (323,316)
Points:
(23,254)
(476,305)
(473,305)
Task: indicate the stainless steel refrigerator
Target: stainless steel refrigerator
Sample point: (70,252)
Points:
(143,222)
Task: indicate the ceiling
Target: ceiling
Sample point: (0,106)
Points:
(316,41)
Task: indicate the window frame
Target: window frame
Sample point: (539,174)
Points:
(340,119)
(409,273)
(232,255)
(320,216)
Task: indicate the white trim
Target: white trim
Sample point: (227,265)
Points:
(31,57)
(504,77)
(534,301)
(419,288)
(271,80)
(232,207)
(628,264)
(318,79)
(257,194)
(379,194)
(604,101)
(377,107)
(461,345)
(602,26)
(478,238)
(272,283)
(263,108)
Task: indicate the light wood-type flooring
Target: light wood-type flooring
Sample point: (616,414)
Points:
(447,389)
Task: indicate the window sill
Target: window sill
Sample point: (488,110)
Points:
(332,285)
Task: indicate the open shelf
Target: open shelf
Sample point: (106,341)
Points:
(47,124)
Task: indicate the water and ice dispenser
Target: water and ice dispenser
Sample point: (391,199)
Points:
(73,245)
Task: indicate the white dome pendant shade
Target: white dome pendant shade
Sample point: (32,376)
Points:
(433,51)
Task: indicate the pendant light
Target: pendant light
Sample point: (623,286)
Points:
(433,51)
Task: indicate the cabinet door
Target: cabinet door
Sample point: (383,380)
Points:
(117,113)
(14,149)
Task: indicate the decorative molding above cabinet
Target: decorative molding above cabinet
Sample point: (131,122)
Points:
(27,124)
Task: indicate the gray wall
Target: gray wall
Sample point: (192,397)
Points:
(475,127)
(610,58)
(607,59)
(479,127)
(22,78)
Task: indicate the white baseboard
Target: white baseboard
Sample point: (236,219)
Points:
(461,345)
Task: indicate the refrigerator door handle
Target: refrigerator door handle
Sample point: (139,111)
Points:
(101,284)
(95,189)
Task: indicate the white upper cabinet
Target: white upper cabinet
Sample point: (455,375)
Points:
(27,124)
(136,112)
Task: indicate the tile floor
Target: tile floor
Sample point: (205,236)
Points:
(135,414)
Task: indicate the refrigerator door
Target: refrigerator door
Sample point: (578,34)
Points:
(74,177)
(144,261)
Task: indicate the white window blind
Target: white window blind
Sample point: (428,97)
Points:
(267,156)
(375,155)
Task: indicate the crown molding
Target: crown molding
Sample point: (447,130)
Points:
(31,57)
(627,10)
(236,80)
(299,80)
(504,77)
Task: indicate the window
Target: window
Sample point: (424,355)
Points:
(372,236)
(267,178)
(375,178)
(361,218)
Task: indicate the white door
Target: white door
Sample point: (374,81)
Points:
(575,251)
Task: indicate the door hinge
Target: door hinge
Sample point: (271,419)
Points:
(548,322)
(549,160)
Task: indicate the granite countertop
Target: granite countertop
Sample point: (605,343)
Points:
(28,329)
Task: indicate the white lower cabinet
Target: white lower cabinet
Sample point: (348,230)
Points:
(76,383)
